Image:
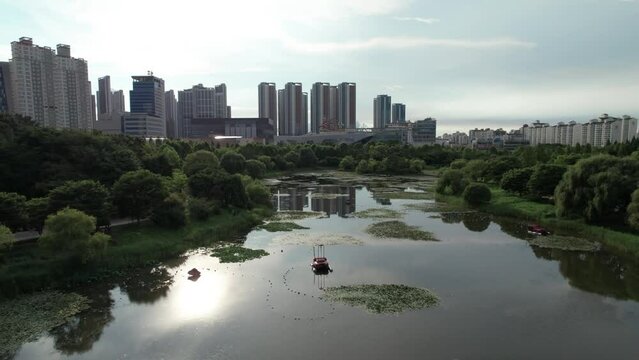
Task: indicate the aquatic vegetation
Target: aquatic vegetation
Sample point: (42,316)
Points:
(430,207)
(567,243)
(237,253)
(25,318)
(328,196)
(399,230)
(379,213)
(382,299)
(277,226)
(296,215)
(316,239)
(404,195)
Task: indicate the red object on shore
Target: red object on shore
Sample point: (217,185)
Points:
(537,230)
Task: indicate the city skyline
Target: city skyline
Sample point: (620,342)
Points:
(458,64)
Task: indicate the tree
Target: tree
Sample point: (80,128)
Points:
(516,180)
(69,232)
(37,212)
(458,164)
(88,196)
(233,162)
(6,239)
(171,213)
(307,157)
(258,194)
(177,183)
(201,209)
(234,192)
(544,179)
(199,161)
(208,184)
(417,166)
(362,167)
(267,161)
(137,193)
(598,188)
(255,169)
(292,157)
(348,163)
(633,211)
(477,194)
(474,169)
(163,161)
(495,169)
(13,212)
(451,181)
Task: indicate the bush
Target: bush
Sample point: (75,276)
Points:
(69,232)
(6,239)
(452,181)
(362,167)
(37,211)
(307,157)
(255,169)
(545,179)
(458,164)
(516,180)
(171,213)
(417,166)
(267,161)
(201,209)
(233,162)
(13,212)
(292,157)
(347,163)
(199,161)
(258,194)
(475,169)
(477,194)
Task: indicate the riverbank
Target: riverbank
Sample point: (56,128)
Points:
(508,205)
(26,270)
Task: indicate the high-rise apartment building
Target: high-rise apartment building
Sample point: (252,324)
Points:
(170,102)
(117,102)
(323,107)
(148,113)
(381,111)
(200,102)
(346,105)
(398,113)
(104,100)
(50,86)
(293,110)
(93,109)
(5,89)
(267,94)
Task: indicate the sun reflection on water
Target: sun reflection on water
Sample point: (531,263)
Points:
(192,300)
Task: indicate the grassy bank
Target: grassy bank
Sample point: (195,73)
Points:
(508,205)
(27,270)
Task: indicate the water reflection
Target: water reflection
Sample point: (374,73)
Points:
(147,287)
(79,334)
(331,199)
(473,221)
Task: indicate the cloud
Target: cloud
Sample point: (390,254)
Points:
(404,42)
(418,19)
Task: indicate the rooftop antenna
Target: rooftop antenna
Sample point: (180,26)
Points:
(149,72)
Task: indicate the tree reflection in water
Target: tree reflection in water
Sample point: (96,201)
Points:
(79,334)
(148,287)
(473,221)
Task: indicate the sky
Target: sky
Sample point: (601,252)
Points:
(472,63)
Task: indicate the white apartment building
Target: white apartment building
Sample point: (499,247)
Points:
(51,88)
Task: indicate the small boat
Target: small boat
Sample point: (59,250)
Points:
(537,230)
(319,264)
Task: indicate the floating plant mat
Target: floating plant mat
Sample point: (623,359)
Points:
(378,213)
(404,195)
(236,254)
(430,207)
(276,226)
(328,196)
(567,243)
(382,299)
(316,239)
(398,230)
(297,215)
(25,318)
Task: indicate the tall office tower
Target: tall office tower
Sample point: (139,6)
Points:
(346,103)
(53,89)
(293,110)
(117,102)
(5,89)
(399,113)
(320,106)
(170,102)
(93,108)
(200,102)
(381,111)
(228,112)
(147,118)
(267,95)
(104,101)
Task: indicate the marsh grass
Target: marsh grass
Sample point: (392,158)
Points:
(378,213)
(404,195)
(237,254)
(316,239)
(25,318)
(398,230)
(296,215)
(567,243)
(431,207)
(277,226)
(382,299)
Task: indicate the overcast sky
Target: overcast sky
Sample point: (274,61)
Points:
(472,63)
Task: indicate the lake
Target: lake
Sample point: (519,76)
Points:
(500,297)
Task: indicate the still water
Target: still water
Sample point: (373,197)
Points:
(500,297)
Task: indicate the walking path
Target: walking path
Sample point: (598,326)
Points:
(26,236)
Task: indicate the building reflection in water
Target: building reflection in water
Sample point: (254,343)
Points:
(333,200)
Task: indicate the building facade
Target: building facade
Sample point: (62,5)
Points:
(171,112)
(267,97)
(148,111)
(293,110)
(105,97)
(200,102)
(381,111)
(6,105)
(398,113)
(50,87)
(324,108)
(117,102)
(144,125)
(423,132)
(347,105)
